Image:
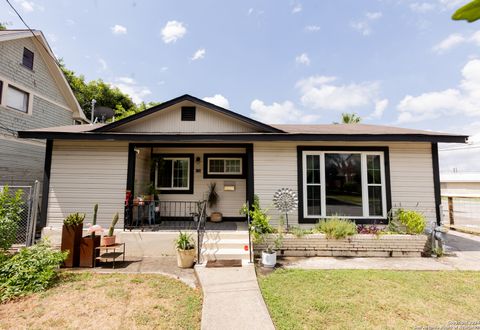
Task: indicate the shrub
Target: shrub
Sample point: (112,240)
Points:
(260,221)
(184,242)
(407,221)
(336,227)
(299,232)
(33,269)
(10,213)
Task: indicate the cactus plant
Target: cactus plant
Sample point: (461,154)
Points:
(112,225)
(94,222)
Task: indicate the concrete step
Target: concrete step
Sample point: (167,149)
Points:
(234,243)
(225,234)
(214,254)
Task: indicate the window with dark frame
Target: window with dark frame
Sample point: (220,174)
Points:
(27,60)
(188,113)
(346,183)
(224,166)
(174,173)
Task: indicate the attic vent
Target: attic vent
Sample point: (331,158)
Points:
(27,60)
(188,113)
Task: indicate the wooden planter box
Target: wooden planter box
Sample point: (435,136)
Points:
(360,245)
(88,252)
(71,237)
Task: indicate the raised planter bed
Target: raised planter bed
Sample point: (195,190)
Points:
(361,245)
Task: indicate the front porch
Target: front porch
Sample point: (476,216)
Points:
(168,185)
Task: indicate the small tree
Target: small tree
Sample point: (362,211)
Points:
(10,213)
(350,118)
(470,12)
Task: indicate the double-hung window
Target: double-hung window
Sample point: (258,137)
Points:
(17,99)
(343,183)
(174,174)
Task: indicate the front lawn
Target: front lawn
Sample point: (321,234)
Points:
(107,301)
(356,299)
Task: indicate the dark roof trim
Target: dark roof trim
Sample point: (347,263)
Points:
(246,137)
(186,97)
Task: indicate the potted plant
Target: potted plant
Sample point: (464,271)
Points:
(185,247)
(71,236)
(88,244)
(151,193)
(212,201)
(109,240)
(269,255)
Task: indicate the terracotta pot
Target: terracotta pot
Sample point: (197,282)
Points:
(216,217)
(71,236)
(88,252)
(108,240)
(185,258)
(148,198)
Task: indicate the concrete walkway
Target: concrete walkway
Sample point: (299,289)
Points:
(462,253)
(232,299)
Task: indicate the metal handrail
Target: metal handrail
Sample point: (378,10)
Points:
(250,245)
(202,219)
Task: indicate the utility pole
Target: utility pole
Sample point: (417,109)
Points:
(93,110)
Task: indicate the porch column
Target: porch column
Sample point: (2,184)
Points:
(129,193)
(250,188)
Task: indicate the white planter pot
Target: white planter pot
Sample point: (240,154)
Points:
(269,259)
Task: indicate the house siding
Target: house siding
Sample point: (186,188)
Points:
(83,174)
(411,175)
(169,121)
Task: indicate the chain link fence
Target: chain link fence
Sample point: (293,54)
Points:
(462,211)
(28,216)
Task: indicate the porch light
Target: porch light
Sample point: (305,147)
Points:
(197,165)
(228,186)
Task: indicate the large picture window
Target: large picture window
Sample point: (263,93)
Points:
(343,183)
(173,174)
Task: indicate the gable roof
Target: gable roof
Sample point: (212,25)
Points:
(48,57)
(260,126)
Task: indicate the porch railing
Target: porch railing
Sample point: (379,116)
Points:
(202,219)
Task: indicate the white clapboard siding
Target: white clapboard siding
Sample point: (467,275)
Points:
(84,173)
(169,121)
(411,174)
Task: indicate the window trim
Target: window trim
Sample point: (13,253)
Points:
(302,151)
(224,156)
(27,110)
(172,190)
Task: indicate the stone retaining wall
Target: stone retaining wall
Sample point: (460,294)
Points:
(361,245)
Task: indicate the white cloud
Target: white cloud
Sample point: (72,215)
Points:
(173,31)
(422,7)
(199,54)
(103,64)
(319,92)
(312,28)
(449,42)
(70,21)
(29,6)
(363,25)
(250,11)
(380,106)
(279,113)
(303,59)
(218,99)
(451,4)
(131,87)
(297,8)
(463,99)
(118,29)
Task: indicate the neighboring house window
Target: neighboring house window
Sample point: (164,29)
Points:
(17,99)
(343,183)
(188,113)
(224,165)
(174,174)
(27,60)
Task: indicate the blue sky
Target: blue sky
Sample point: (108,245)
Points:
(403,63)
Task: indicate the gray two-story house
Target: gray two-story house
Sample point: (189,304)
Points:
(33,94)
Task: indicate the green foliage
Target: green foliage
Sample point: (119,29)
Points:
(74,219)
(33,269)
(407,222)
(94,222)
(350,118)
(10,212)
(260,221)
(299,232)
(184,242)
(336,227)
(104,93)
(470,12)
(113,224)
(3,26)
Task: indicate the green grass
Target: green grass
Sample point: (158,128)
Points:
(107,301)
(370,299)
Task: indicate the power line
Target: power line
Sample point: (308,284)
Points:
(33,33)
(460,148)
